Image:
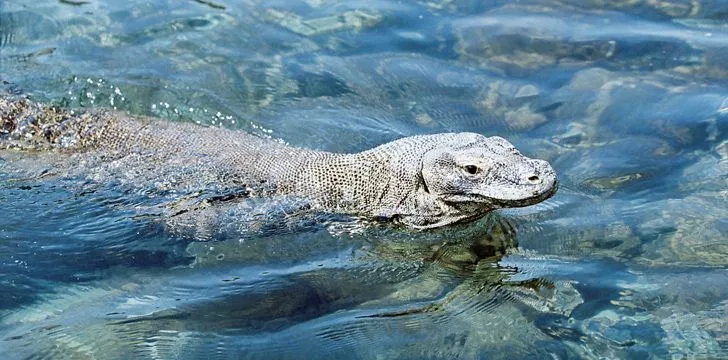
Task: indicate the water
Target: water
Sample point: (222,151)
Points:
(627,99)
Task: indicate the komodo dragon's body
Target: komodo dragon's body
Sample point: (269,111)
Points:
(422,181)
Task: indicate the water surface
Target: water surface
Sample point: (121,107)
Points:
(627,99)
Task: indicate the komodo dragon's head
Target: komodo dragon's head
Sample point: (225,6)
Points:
(460,177)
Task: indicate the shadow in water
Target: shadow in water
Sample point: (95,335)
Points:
(328,292)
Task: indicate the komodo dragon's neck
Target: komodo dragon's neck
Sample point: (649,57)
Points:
(353,183)
(345,182)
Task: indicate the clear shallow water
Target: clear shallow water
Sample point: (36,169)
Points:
(628,100)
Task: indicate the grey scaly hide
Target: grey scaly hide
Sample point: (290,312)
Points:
(422,181)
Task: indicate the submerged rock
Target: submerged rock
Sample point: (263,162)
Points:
(504,39)
(348,20)
(684,233)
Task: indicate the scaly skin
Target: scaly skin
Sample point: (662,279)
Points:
(422,181)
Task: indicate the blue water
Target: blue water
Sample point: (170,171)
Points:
(627,99)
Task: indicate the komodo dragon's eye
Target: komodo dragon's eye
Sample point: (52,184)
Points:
(472,169)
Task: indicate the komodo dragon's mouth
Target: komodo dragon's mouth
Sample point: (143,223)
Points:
(473,200)
(535,199)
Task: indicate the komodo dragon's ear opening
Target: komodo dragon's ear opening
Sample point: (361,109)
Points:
(423,183)
(421,179)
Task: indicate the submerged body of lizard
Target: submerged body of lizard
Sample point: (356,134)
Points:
(421,181)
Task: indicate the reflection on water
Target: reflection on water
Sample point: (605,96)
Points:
(258,299)
(626,98)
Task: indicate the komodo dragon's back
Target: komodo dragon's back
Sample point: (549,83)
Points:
(422,181)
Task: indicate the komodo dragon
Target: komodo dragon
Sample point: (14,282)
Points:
(424,181)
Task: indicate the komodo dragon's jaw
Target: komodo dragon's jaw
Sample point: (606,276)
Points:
(463,211)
